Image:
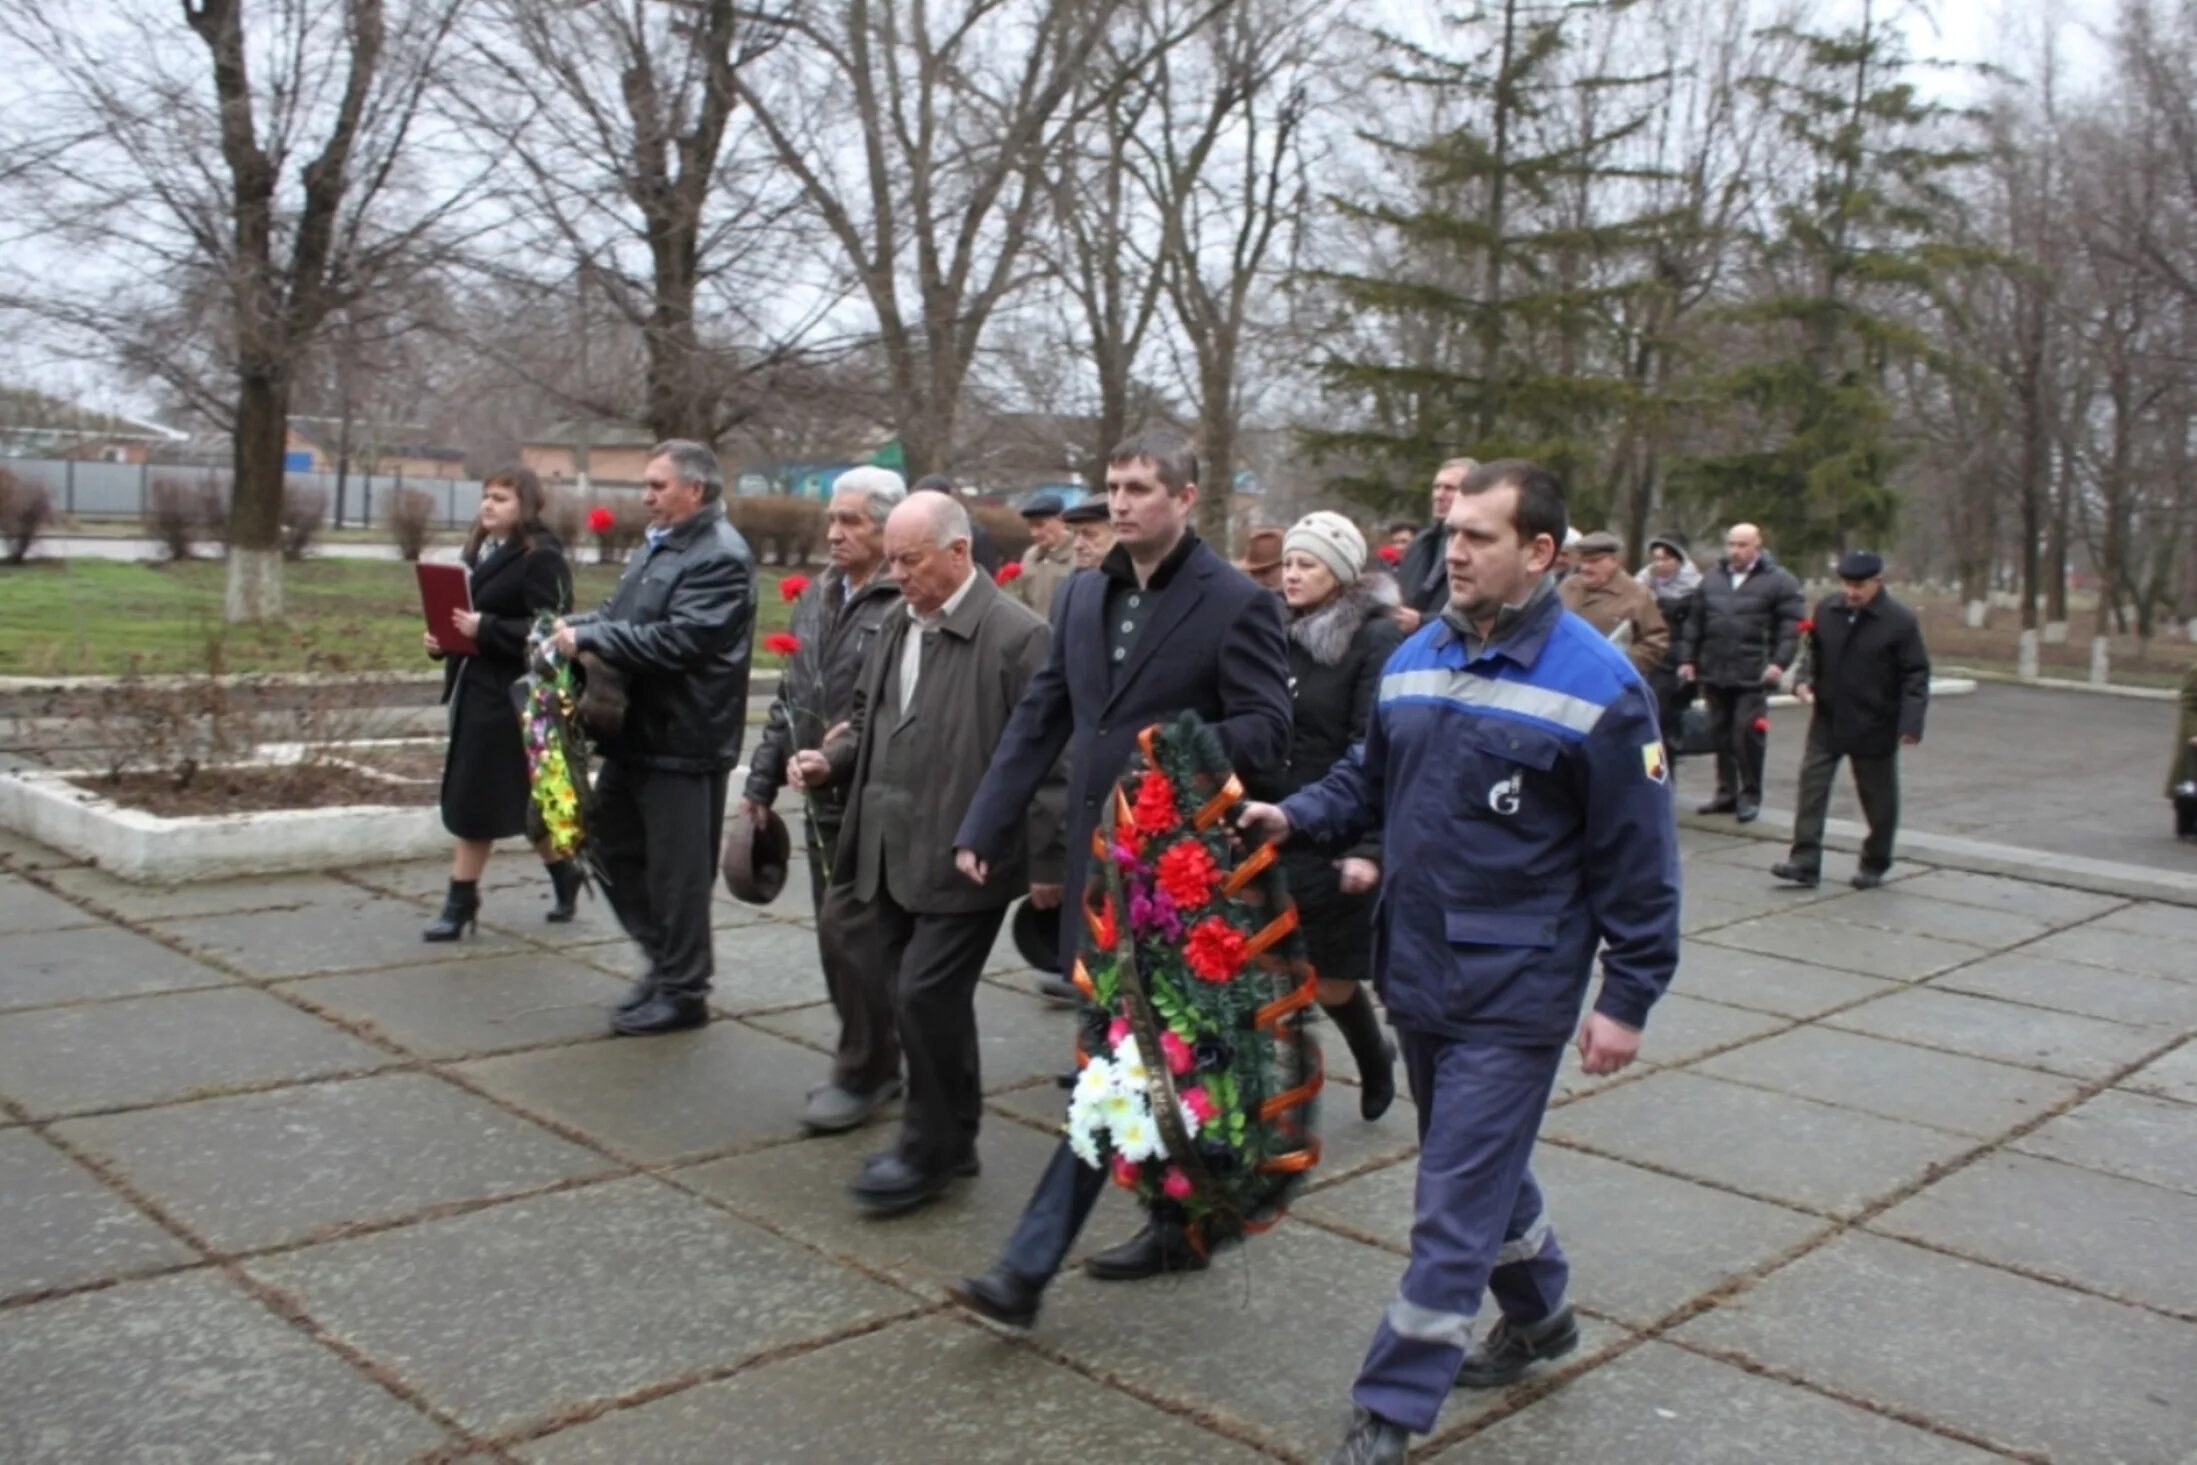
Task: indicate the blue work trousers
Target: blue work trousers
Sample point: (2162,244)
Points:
(1478,1221)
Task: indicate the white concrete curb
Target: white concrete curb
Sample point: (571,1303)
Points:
(2062,684)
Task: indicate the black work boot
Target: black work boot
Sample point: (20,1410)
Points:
(461,911)
(1511,1348)
(1160,1247)
(1372,1441)
(567,881)
(1000,1295)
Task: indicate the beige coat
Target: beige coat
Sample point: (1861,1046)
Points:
(1624,600)
(1043,573)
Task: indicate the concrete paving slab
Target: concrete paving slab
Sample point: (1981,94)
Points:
(658,1100)
(48,967)
(205,898)
(149,1050)
(2171,1077)
(477,1311)
(2149,918)
(25,909)
(315,939)
(2120,1237)
(1805,936)
(1775,1146)
(60,1226)
(2121,951)
(1661,1405)
(1705,912)
(1640,1244)
(2059,1042)
(29,854)
(1895,909)
(512,869)
(765,966)
(1940,1090)
(187,1368)
(2052,903)
(2023,1364)
(1682,1028)
(1742,978)
(464,1008)
(1018,1038)
(803,1189)
(2090,991)
(1275,1287)
(2121,1133)
(966,1395)
(263,1169)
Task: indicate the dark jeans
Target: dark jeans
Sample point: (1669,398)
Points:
(923,970)
(1875,779)
(1733,713)
(657,835)
(1054,1217)
(868,1056)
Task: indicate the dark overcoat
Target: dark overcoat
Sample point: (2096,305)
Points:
(1871,676)
(1214,646)
(484,784)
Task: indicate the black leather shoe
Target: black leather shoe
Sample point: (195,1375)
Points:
(1867,879)
(999,1295)
(1509,1350)
(1717,806)
(890,1185)
(1372,1441)
(565,881)
(1154,1250)
(639,993)
(1747,813)
(461,911)
(1793,874)
(1060,990)
(660,1014)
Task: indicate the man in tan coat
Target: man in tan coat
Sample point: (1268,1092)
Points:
(1615,603)
(1050,559)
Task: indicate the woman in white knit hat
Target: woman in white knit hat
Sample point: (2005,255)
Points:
(1341,630)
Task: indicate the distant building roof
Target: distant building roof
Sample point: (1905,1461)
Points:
(31,419)
(379,439)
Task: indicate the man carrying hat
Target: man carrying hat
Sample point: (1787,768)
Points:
(1614,603)
(1868,678)
(1049,561)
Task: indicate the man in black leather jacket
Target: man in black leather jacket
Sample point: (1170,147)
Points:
(678,627)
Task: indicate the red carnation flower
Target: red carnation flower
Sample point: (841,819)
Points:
(782,643)
(1807,628)
(1009,572)
(1187,873)
(600,519)
(790,588)
(1390,554)
(1215,950)
(1154,812)
(1762,724)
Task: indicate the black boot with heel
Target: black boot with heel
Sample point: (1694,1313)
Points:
(1376,1055)
(566,881)
(461,911)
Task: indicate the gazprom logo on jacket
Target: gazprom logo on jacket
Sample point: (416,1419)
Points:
(1503,798)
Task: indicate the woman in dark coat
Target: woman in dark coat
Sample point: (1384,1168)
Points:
(519,572)
(1670,575)
(1341,630)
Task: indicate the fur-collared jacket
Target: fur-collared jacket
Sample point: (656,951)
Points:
(1335,658)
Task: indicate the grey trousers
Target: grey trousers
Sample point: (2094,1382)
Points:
(1876,780)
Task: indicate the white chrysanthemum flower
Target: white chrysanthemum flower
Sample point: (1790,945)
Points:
(1096,1079)
(1138,1138)
(1083,1140)
(1116,1108)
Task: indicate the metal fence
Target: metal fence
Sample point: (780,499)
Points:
(93,490)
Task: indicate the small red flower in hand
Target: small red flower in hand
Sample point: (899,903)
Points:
(782,643)
(600,520)
(790,588)
(1009,572)
(1762,724)
(1807,628)
(1390,554)
(1215,950)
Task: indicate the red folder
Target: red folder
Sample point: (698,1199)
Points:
(445,589)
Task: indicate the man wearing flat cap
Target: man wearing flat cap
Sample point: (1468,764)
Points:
(1866,674)
(1049,561)
(1614,603)
(1262,558)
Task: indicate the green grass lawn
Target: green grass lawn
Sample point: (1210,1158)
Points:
(92,617)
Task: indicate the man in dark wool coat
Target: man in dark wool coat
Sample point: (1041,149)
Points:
(1166,625)
(1869,682)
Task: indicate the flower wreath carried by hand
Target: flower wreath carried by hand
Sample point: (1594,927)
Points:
(1198,1074)
(559,789)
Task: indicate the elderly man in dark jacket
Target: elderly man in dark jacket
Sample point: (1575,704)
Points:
(678,627)
(1738,644)
(834,622)
(1164,626)
(1868,678)
(933,698)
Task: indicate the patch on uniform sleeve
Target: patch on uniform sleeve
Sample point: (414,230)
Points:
(1651,759)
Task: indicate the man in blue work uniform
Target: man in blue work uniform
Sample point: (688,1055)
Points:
(1515,771)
